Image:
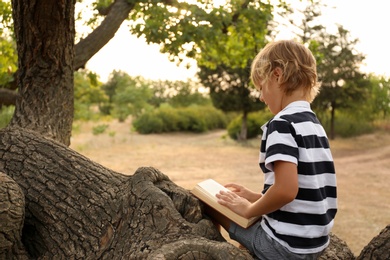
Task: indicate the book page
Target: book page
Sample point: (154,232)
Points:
(212,187)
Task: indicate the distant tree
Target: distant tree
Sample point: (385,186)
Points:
(343,85)
(338,64)
(230,90)
(184,94)
(379,102)
(127,95)
(132,95)
(87,93)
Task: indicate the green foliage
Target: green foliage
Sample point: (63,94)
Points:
(362,117)
(8,61)
(193,120)
(6,22)
(254,122)
(230,89)
(133,95)
(228,33)
(103,3)
(87,95)
(188,95)
(8,53)
(342,83)
(76,127)
(348,124)
(6,114)
(379,101)
(99,129)
(126,95)
(177,93)
(214,118)
(169,119)
(148,123)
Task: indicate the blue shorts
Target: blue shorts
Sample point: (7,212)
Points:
(261,245)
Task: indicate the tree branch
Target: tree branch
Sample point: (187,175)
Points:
(7,97)
(86,48)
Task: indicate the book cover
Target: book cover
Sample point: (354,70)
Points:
(206,191)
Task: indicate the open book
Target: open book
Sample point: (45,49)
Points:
(206,191)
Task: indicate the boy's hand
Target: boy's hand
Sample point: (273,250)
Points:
(243,192)
(234,202)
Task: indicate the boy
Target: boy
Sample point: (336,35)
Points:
(299,201)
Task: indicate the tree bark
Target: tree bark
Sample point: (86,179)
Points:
(44,33)
(337,250)
(378,248)
(11,219)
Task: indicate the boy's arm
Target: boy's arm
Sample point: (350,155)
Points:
(283,191)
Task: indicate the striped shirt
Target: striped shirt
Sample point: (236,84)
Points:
(295,135)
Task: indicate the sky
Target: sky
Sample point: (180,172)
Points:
(367,21)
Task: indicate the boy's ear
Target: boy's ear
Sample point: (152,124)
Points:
(278,72)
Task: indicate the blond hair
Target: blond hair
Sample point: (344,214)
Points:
(296,62)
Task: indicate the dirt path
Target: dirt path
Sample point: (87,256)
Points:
(362,165)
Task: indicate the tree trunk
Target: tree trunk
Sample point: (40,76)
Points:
(244,127)
(332,121)
(45,33)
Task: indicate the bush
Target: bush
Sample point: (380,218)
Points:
(169,119)
(148,123)
(348,125)
(254,122)
(214,118)
(99,129)
(192,121)
(86,112)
